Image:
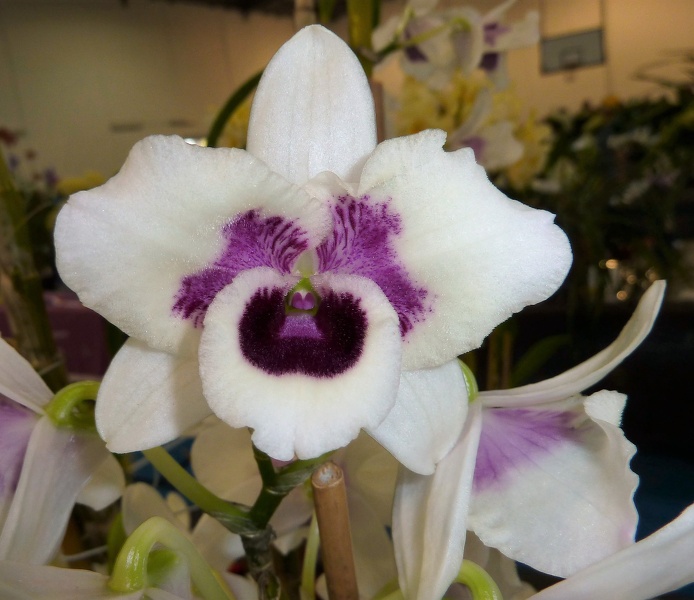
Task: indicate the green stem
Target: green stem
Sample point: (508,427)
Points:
(478,581)
(362,16)
(308,571)
(232,517)
(130,570)
(66,410)
(228,109)
(21,290)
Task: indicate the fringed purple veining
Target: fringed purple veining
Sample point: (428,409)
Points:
(512,438)
(251,241)
(362,243)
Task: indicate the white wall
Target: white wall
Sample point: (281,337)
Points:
(85,79)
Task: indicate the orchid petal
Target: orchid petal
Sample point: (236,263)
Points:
(561,452)
(217,545)
(141,502)
(105,486)
(148,398)
(17,423)
(656,565)
(21,581)
(426,420)
(501,148)
(19,381)
(313,110)
(520,34)
(293,411)
(430,516)
(148,248)
(222,458)
(374,561)
(478,256)
(57,464)
(591,371)
(243,588)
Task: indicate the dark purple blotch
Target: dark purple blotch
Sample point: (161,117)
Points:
(323,345)
(512,438)
(362,243)
(492,32)
(251,241)
(490,61)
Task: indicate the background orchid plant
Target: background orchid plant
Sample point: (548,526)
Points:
(304,298)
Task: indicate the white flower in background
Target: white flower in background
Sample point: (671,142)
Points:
(539,472)
(44,469)
(437,43)
(311,304)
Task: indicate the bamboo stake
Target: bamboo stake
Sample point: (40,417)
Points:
(330,498)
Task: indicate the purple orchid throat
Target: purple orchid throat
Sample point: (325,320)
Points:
(514,437)
(16,425)
(323,345)
(328,337)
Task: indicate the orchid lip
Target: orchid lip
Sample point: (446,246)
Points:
(302,299)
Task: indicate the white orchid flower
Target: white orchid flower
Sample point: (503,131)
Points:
(310,287)
(539,472)
(44,469)
(436,43)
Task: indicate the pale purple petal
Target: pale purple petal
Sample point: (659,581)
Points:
(553,487)
(430,518)
(57,464)
(656,565)
(16,425)
(313,110)
(591,371)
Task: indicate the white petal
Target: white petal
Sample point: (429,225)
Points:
(19,581)
(592,370)
(141,502)
(57,464)
(479,256)
(218,546)
(426,420)
(294,413)
(430,516)
(313,110)
(553,487)
(243,588)
(19,381)
(374,561)
(222,458)
(127,247)
(658,564)
(148,398)
(105,486)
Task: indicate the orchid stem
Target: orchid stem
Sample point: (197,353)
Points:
(308,571)
(232,517)
(478,581)
(130,571)
(64,408)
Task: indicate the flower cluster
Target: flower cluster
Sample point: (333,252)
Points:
(311,295)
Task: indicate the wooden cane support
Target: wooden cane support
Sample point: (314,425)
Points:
(330,498)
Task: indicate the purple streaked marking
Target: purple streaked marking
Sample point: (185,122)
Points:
(16,424)
(251,241)
(512,438)
(361,243)
(323,345)
(492,32)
